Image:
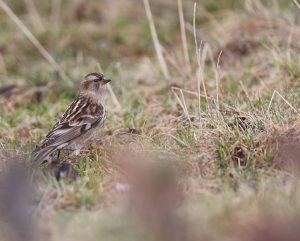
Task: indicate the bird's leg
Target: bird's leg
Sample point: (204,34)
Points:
(55,160)
(66,168)
(58,154)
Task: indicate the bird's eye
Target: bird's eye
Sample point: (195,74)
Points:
(95,80)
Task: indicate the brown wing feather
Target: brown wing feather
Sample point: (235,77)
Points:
(81,116)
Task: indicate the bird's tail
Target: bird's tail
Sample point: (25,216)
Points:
(40,154)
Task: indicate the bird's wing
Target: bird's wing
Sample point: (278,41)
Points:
(77,119)
(65,132)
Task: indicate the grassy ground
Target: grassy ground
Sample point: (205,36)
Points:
(204,147)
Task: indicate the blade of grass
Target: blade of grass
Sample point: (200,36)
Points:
(192,93)
(218,79)
(111,92)
(199,70)
(185,107)
(202,55)
(297,4)
(176,139)
(275,92)
(183,37)
(156,42)
(182,105)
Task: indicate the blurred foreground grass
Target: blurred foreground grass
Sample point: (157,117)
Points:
(234,148)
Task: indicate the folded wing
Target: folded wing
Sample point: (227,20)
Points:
(63,134)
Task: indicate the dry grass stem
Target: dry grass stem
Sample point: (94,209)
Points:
(156,42)
(185,107)
(114,98)
(182,104)
(199,72)
(297,4)
(176,139)
(194,31)
(34,15)
(218,79)
(193,93)
(183,37)
(245,90)
(3,69)
(275,92)
(35,42)
(201,65)
(200,79)
(111,92)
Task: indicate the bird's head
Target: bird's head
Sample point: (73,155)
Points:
(93,85)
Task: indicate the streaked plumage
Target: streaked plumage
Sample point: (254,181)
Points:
(80,122)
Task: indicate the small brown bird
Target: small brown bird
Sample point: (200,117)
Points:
(81,121)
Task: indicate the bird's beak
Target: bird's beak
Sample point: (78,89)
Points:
(105,81)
